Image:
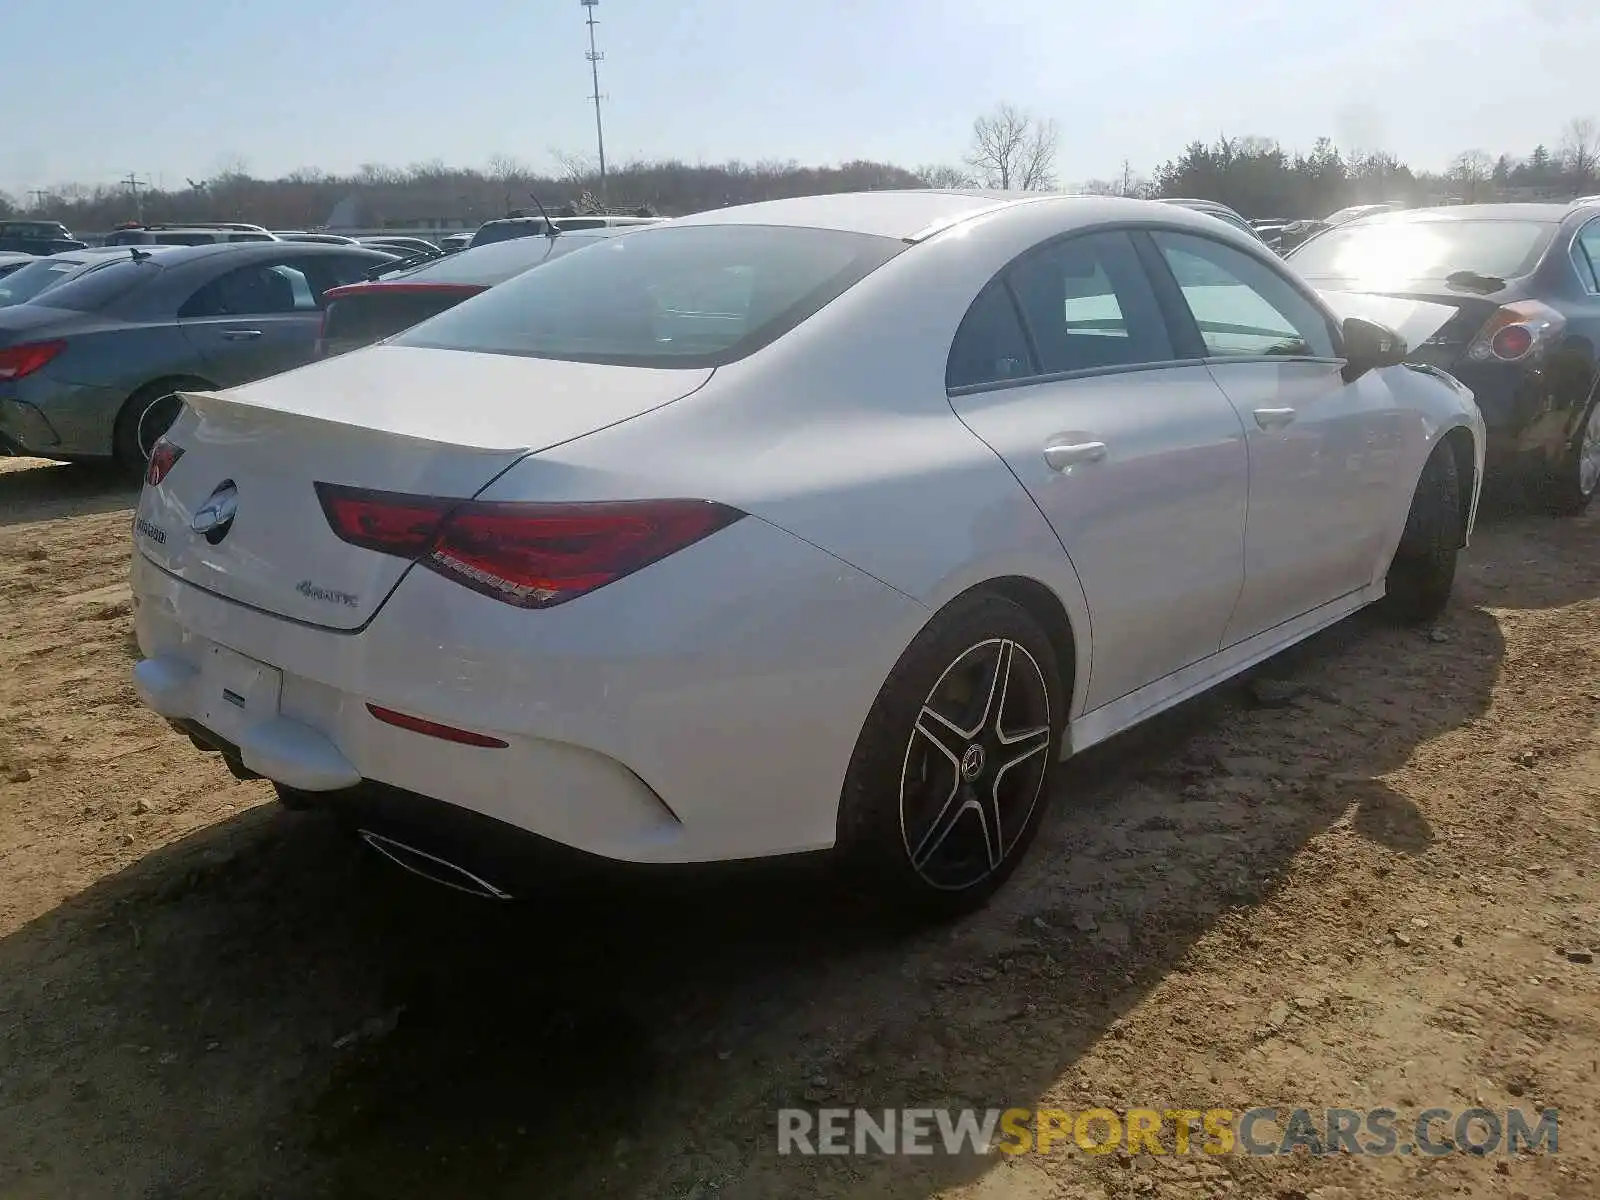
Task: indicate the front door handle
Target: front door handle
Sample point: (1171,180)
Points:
(1274,418)
(1058,456)
(241,335)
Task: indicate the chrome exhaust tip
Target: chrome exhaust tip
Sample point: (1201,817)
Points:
(432,868)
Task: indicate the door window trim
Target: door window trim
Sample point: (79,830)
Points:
(1193,339)
(1003,276)
(1591,284)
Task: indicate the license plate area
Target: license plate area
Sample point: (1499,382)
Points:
(235,691)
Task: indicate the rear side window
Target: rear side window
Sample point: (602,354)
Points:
(990,346)
(1586,255)
(665,296)
(1088,304)
(1244,308)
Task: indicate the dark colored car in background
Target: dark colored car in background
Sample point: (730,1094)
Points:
(1524,280)
(37,237)
(89,367)
(1216,209)
(359,314)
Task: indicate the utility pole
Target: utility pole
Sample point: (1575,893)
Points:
(133,185)
(38,195)
(595,57)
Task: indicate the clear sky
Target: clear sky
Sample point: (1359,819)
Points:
(175,88)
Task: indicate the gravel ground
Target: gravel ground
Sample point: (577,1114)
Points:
(1367,878)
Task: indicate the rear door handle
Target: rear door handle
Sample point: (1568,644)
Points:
(1058,456)
(241,335)
(1274,418)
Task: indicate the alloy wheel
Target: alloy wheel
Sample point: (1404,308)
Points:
(975,764)
(1589,453)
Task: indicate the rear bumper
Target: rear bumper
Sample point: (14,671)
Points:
(703,710)
(51,419)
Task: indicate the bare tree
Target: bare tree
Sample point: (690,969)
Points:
(1013,150)
(940,175)
(507,169)
(1470,170)
(1580,149)
(575,168)
(1128,183)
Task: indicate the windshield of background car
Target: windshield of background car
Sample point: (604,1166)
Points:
(1403,251)
(686,296)
(85,288)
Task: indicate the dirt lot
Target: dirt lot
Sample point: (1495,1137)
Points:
(1373,884)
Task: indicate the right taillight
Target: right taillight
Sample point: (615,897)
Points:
(1523,331)
(19,361)
(529,555)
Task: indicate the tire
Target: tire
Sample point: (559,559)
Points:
(1574,479)
(144,418)
(949,777)
(1424,568)
(294,798)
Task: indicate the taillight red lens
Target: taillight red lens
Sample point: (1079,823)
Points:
(163,457)
(18,361)
(528,555)
(1512,342)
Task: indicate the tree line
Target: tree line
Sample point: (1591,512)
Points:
(1010,148)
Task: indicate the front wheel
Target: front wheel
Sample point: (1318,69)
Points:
(1423,572)
(947,783)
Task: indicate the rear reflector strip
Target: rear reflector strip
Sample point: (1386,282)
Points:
(446,733)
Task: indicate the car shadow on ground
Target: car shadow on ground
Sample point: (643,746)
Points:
(35,490)
(265,1009)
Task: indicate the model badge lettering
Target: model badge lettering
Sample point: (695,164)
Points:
(312,591)
(155,533)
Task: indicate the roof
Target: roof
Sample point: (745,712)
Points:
(911,214)
(1552,213)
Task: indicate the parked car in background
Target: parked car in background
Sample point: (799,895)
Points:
(1221,211)
(37,237)
(1523,282)
(199,233)
(604,502)
(327,239)
(359,314)
(453,243)
(507,228)
(405,246)
(11,261)
(43,273)
(88,367)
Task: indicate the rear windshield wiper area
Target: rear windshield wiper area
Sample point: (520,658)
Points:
(378,270)
(1475,281)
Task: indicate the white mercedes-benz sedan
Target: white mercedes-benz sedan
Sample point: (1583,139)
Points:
(831,522)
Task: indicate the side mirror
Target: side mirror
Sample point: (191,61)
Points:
(1368,346)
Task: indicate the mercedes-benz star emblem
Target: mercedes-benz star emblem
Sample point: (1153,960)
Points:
(214,518)
(972,763)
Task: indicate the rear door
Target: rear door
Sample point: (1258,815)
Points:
(1136,459)
(1325,455)
(252,321)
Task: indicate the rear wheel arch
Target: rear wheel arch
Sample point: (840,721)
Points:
(125,435)
(1045,607)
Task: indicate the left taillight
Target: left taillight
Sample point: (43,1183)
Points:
(530,555)
(16,362)
(1524,331)
(163,457)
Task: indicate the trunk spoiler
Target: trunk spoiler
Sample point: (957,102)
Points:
(1414,320)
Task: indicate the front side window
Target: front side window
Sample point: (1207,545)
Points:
(258,290)
(1243,308)
(666,296)
(1088,304)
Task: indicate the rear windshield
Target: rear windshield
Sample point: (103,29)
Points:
(22,286)
(489,264)
(1412,250)
(82,288)
(664,296)
(503,231)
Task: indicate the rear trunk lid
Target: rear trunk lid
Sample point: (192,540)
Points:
(238,513)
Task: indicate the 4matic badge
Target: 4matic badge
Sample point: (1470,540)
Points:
(313,591)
